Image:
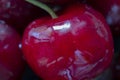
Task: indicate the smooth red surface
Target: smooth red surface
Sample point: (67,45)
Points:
(75,46)
(111,10)
(11,59)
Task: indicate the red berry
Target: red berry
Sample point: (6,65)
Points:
(11,59)
(75,46)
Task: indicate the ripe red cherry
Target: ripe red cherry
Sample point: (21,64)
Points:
(11,59)
(111,10)
(75,46)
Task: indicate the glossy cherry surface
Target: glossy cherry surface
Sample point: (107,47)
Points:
(11,59)
(75,46)
(111,10)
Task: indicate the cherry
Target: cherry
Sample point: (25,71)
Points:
(77,45)
(11,59)
(111,10)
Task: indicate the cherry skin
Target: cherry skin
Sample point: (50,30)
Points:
(11,59)
(111,10)
(77,45)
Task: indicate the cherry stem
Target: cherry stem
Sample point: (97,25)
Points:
(44,7)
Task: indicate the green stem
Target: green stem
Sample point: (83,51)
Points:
(43,6)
